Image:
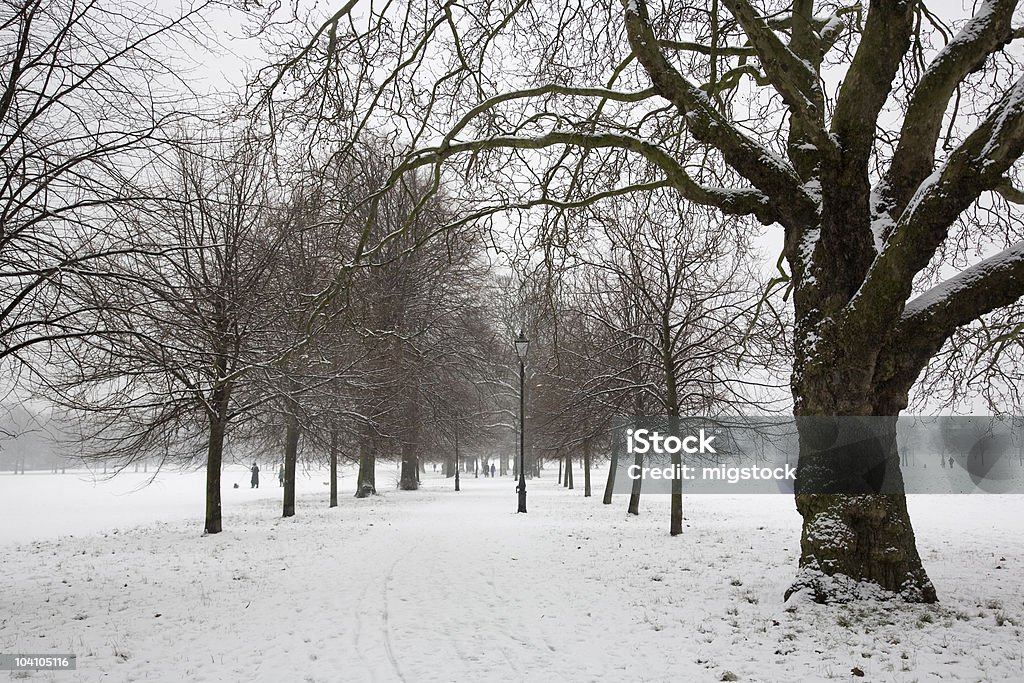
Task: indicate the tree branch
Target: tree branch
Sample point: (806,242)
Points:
(986,32)
(735,202)
(767,172)
(976,166)
(791,76)
(884,42)
(932,318)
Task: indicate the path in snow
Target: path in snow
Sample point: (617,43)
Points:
(435,585)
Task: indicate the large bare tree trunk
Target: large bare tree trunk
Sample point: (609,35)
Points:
(863,532)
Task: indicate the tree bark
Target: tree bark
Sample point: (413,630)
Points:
(291,453)
(219,401)
(586,469)
(861,536)
(409,480)
(366,478)
(676,514)
(613,465)
(334,469)
(457,483)
(634,495)
(214,463)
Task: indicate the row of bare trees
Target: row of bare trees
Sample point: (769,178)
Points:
(177,289)
(881,142)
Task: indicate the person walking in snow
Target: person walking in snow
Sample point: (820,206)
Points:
(255,476)
(492,469)
(280,476)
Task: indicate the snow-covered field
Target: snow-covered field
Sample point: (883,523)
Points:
(436,585)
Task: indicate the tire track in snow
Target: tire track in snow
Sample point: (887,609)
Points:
(357,612)
(386,626)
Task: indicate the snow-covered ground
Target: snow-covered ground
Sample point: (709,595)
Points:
(435,585)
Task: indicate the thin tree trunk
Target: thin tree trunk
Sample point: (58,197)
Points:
(613,465)
(457,460)
(634,496)
(409,481)
(366,479)
(676,515)
(334,469)
(568,472)
(559,470)
(586,468)
(214,462)
(291,454)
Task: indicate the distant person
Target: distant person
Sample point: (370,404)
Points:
(492,469)
(255,477)
(280,476)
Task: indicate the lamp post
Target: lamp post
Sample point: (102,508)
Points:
(522,348)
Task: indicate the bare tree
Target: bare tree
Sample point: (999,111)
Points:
(179,322)
(664,321)
(737,107)
(85,106)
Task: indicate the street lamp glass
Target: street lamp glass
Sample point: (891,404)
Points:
(522,345)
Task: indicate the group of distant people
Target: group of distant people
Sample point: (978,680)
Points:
(255,469)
